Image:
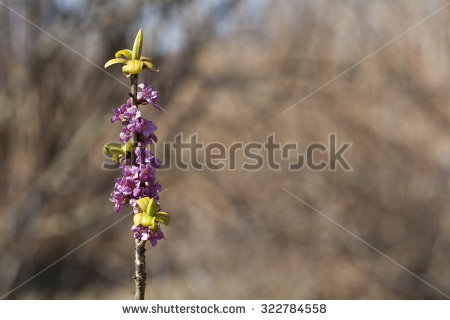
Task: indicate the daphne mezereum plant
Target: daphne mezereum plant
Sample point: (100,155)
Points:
(138,186)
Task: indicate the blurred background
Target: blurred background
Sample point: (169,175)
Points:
(227,71)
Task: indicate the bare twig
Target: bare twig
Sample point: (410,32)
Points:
(134,82)
(139,272)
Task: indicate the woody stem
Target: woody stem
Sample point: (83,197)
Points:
(139,272)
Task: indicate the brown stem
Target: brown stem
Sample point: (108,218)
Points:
(139,272)
(134,83)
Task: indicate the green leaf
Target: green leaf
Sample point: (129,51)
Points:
(153,207)
(114,61)
(146,220)
(146,59)
(127,147)
(137,46)
(143,203)
(150,66)
(137,219)
(111,149)
(125,52)
(115,150)
(133,67)
(162,217)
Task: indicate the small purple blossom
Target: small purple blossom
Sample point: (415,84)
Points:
(130,171)
(145,156)
(118,114)
(148,173)
(143,127)
(129,130)
(132,112)
(123,190)
(144,233)
(148,95)
(146,128)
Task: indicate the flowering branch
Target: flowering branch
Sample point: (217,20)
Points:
(138,186)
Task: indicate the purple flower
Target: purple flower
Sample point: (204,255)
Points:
(143,233)
(146,128)
(125,189)
(119,195)
(137,182)
(129,130)
(118,202)
(145,156)
(150,189)
(139,174)
(130,171)
(154,190)
(148,173)
(148,95)
(118,114)
(132,112)
(138,152)
(155,162)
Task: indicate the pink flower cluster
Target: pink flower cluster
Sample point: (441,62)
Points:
(138,164)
